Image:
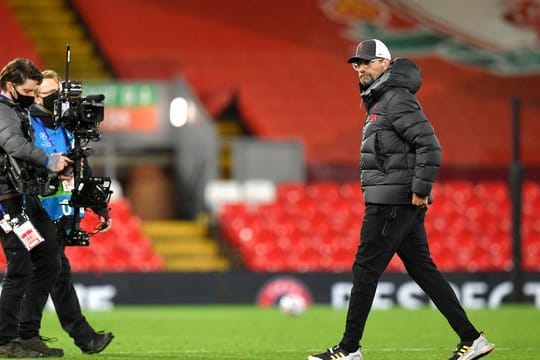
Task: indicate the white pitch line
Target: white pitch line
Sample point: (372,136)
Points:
(373,350)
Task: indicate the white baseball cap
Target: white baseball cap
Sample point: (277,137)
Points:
(369,50)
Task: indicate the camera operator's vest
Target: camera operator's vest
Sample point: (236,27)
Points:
(54,141)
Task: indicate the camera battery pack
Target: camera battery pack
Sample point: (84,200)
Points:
(26,232)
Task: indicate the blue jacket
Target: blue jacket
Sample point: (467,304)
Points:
(53,140)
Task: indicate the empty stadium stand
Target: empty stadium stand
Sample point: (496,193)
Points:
(18,43)
(186,245)
(315,227)
(124,247)
(50,25)
(284,62)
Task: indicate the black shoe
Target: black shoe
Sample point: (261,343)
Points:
(335,353)
(98,343)
(13,349)
(37,343)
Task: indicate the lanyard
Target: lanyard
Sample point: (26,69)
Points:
(44,128)
(3,210)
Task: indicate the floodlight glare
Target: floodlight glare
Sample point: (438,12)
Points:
(179,111)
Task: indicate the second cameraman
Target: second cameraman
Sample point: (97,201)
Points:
(53,139)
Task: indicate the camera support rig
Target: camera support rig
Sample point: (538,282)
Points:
(81,116)
(89,192)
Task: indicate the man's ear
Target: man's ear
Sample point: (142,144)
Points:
(386,63)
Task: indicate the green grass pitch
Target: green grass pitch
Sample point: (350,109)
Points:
(248,332)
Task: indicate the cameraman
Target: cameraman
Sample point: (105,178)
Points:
(53,139)
(28,279)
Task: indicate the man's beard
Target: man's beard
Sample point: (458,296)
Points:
(366,81)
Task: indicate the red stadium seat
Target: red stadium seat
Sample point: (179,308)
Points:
(234,209)
(531,190)
(471,234)
(308,259)
(290,192)
(457,191)
(323,191)
(123,247)
(352,191)
(496,191)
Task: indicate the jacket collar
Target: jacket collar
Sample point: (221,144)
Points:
(402,73)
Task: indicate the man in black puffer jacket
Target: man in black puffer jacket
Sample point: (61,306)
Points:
(399,161)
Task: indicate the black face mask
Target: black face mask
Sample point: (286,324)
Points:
(23,100)
(48,101)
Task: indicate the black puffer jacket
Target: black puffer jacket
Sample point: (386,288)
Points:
(15,142)
(400,152)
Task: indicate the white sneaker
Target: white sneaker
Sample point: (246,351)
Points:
(480,347)
(337,353)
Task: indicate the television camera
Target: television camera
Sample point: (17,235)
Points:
(81,115)
(78,114)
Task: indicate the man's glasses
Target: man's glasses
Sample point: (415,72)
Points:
(357,64)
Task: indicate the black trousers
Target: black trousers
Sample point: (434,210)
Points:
(68,308)
(17,281)
(387,230)
(30,275)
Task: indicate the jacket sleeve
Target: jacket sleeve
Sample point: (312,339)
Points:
(13,142)
(410,123)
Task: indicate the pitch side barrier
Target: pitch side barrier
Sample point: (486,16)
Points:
(105,291)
